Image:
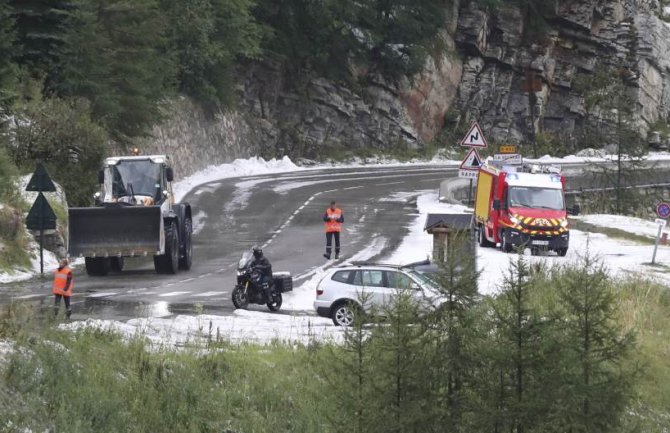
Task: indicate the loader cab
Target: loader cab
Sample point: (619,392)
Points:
(136,180)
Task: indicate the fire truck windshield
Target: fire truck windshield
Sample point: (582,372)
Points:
(537,198)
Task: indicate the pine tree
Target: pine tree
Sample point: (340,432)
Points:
(7,46)
(596,387)
(348,369)
(401,365)
(610,119)
(208,38)
(114,55)
(454,326)
(41,27)
(520,400)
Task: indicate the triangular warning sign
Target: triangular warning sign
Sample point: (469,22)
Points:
(40,181)
(474,137)
(41,215)
(472,161)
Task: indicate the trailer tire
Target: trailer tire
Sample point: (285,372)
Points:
(483,242)
(97,266)
(562,251)
(168,263)
(117,264)
(186,260)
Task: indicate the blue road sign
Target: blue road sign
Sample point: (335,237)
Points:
(663,209)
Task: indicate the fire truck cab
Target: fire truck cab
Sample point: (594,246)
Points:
(515,208)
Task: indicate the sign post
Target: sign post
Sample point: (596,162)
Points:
(41,216)
(661,224)
(469,168)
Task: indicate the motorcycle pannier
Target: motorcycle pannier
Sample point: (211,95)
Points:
(283,281)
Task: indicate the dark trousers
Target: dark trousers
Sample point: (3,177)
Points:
(266,284)
(329,243)
(68,310)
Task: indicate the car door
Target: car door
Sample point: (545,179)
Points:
(370,288)
(398,282)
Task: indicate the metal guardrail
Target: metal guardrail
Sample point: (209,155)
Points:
(613,188)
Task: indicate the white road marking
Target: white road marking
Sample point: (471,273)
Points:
(172,294)
(28,296)
(187,280)
(208,294)
(101,294)
(137,290)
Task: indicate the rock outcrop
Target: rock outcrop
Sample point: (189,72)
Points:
(490,71)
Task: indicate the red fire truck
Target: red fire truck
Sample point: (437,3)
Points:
(515,208)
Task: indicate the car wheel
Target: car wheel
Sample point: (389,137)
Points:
(344,314)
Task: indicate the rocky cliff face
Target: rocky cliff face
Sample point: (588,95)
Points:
(484,74)
(584,33)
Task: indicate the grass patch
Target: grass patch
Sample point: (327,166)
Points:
(610,232)
(93,380)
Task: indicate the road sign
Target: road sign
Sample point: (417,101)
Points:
(474,137)
(41,210)
(660,222)
(507,148)
(468,174)
(472,161)
(663,210)
(40,181)
(508,158)
(41,217)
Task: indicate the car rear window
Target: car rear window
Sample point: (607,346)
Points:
(341,276)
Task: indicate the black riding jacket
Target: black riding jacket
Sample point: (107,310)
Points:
(263,265)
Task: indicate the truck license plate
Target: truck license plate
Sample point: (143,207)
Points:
(540,242)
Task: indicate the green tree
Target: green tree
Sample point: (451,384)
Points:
(41,26)
(520,400)
(596,386)
(397,34)
(349,370)
(114,56)
(7,66)
(610,118)
(454,326)
(401,365)
(207,39)
(61,134)
(347,39)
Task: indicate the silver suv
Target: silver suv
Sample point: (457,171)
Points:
(347,291)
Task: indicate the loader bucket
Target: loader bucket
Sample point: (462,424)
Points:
(115,231)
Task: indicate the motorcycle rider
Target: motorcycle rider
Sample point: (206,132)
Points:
(262,265)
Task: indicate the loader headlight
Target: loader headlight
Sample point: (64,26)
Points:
(564,223)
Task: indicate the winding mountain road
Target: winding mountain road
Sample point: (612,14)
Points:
(281,212)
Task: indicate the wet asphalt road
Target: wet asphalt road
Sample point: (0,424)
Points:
(282,212)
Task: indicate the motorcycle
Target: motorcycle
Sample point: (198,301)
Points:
(249,288)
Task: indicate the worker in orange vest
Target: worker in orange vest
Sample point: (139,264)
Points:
(62,287)
(333,219)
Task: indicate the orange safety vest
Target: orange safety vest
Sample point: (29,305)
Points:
(60,282)
(332,225)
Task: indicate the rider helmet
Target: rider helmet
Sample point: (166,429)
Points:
(258,252)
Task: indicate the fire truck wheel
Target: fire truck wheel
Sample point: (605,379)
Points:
(505,246)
